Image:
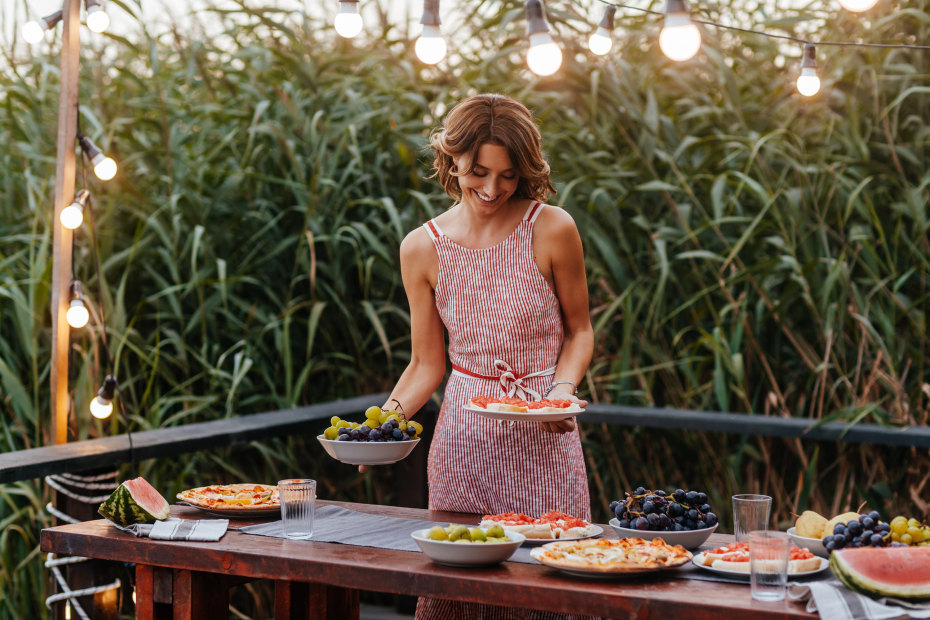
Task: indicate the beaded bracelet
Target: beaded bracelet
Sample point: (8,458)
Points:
(552,387)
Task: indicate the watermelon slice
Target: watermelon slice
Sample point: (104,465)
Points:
(901,572)
(134,501)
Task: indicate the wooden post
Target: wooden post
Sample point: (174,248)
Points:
(63,237)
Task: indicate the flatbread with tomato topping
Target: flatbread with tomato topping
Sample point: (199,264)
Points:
(237,497)
(607,555)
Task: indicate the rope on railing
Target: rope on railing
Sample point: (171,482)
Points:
(99,482)
(57,483)
(66,592)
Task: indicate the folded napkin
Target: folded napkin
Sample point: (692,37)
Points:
(834,601)
(204,530)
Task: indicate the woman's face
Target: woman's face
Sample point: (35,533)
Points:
(492,181)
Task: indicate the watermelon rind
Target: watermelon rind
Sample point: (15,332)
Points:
(877,571)
(124,509)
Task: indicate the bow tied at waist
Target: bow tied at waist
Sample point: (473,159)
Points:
(511,382)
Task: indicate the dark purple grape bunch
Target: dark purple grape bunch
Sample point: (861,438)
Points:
(658,511)
(866,531)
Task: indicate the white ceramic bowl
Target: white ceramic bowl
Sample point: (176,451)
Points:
(689,539)
(367,452)
(467,554)
(814,544)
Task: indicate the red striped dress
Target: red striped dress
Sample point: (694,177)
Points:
(503,320)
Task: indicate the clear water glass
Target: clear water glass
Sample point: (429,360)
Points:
(298,500)
(750,513)
(768,564)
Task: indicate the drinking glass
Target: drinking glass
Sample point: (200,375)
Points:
(750,512)
(768,564)
(298,498)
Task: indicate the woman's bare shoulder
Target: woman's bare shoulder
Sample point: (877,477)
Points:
(417,246)
(555,221)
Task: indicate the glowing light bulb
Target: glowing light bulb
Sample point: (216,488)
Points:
(101,408)
(544,57)
(679,39)
(431,47)
(77,315)
(72,216)
(33,32)
(600,42)
(97,19)
(104,167)
(858,6)
(808,82)
(348,22)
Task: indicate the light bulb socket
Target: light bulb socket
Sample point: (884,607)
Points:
(348,6)
(676,6)
(90,149)
(50,21)
(107,391)
(809,58)
(77,293)
(535,17)
(430,13)
(89,4)
(80,199)
(607,22)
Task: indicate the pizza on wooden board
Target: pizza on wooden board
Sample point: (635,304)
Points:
(611,555)
(552,525)
(735,557)
(516,405)
(244,497)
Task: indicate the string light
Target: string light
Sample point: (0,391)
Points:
(348,21)
(858,6)
(34,31)
(600,41)
(544,56)
(102,406)
(77,315)
(72,216)
(680,39)
(97,19)
(808,82)
(430,47)
(104,167)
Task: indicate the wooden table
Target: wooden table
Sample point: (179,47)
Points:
(191,580)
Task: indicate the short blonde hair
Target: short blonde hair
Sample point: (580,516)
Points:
(491,119)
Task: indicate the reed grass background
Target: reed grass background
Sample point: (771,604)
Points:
(747,250)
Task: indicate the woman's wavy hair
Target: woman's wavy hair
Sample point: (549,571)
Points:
(491,119)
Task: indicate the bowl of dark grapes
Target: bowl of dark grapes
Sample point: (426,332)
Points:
(384,437)
(679,518)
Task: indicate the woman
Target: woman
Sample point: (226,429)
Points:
(503,274)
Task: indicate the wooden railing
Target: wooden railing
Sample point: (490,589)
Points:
(93,454)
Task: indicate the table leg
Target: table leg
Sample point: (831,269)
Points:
(201,596)
(314,601)
(145,592)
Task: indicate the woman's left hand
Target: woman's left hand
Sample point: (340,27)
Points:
(568,424)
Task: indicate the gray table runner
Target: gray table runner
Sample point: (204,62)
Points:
(335,524)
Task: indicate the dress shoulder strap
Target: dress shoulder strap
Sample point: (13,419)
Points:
(533,211)
(432,228)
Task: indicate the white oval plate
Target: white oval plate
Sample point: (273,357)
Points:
(513,416)
(696,560)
